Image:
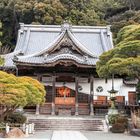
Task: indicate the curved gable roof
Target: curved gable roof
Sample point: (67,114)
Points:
(34,40)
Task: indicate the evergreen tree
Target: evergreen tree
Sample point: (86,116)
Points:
(124,59)
(78,12)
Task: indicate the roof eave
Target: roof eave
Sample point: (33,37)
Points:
(18,63)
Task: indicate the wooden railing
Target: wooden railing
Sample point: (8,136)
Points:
(100,111)
(100,102)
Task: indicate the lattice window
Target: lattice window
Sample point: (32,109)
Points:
(64,92)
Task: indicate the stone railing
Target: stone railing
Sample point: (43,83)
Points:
(27,128)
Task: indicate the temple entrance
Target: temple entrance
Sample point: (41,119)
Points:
(64,96)
(64,100)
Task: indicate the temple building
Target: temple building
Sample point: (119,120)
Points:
(63,57)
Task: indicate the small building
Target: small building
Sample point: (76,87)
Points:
(63,57)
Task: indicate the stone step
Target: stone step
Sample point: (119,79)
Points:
(81,129)
(67,124)
(69,128)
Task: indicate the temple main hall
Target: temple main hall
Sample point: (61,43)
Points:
(63,57)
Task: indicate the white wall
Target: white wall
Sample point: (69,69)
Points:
(118,85)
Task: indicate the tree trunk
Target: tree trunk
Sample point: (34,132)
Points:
(6,113)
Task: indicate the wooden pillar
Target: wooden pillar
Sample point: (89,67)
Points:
(91,95)
(39,78)
(37,109)
(76,96)
(53,94)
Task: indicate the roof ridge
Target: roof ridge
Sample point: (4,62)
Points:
(22,25)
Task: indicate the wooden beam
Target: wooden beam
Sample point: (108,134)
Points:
(62,74)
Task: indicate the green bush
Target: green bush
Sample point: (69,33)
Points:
(16,118)
(118,128)
(112,118)
(2,125)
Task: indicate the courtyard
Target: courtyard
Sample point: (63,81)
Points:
(80,135)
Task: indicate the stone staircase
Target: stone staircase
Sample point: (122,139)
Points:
(68,124)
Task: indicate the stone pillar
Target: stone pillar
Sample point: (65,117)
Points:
(91,95)
(27,130)
(76,96)
(53,94)
(7,128)
(37,109)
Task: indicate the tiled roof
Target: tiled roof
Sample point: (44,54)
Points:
(36,40)
(9,59)
(130,82)
(51,59)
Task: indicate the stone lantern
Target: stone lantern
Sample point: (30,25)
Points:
(113,93)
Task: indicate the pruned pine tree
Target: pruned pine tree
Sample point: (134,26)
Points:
(124,59)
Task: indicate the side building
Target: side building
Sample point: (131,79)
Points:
(63,58)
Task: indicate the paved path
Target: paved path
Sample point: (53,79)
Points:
(81,135)
(108,136)
(68,135)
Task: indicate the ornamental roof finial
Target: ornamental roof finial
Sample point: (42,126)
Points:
(108,30)
(66,26)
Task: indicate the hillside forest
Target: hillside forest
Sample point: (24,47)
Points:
(117,13)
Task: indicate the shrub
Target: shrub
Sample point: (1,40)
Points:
(118,128)
(122,120)
(16,118)
(2,125)
(112,118)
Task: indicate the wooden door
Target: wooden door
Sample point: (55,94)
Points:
(120,99)
(132,98)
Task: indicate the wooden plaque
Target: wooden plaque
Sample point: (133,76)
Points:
(65,101)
